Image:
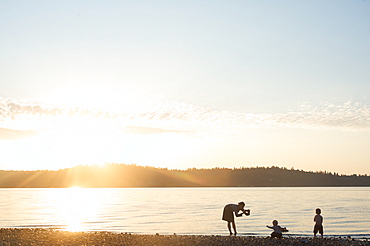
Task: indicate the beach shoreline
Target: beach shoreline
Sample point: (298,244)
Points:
(42,236)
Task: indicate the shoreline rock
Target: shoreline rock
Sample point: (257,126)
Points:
(39,237)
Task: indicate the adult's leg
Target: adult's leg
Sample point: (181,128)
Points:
(229,227)
(234,227)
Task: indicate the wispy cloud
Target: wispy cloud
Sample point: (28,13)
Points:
(184,118)
(347,116)
(9,134)
(150,130)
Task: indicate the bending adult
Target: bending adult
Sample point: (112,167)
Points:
(228,214)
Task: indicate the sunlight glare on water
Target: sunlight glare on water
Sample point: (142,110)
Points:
(77,206)
(72,209)
(188,210)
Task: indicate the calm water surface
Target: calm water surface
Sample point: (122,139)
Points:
(188,210)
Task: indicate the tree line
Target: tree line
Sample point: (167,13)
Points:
(122,175)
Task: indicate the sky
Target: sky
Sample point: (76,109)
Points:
(183,84)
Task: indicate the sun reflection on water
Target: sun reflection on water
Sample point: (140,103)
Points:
(77,207)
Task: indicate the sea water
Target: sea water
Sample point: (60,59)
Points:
(188,210)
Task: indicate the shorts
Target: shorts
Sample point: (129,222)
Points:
(276,234)
(318,228)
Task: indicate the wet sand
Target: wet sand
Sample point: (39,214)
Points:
(57,237)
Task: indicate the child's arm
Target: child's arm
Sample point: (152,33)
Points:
(269,227)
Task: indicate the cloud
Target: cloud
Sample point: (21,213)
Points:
(10,108)
(9,134)
(348,116)
(177,117)
(150,130)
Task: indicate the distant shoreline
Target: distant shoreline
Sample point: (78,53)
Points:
(143,187)
(37,236)
(125,176)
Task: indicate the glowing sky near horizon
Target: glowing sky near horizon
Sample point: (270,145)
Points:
(184,84)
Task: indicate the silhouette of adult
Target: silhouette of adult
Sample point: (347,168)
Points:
(228,214)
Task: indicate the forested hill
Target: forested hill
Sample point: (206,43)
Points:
(121,175)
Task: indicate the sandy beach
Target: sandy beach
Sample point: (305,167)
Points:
(57,237)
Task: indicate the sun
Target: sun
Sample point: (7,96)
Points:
(69,137)
(62,142)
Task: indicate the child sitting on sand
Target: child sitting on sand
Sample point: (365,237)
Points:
(277,229)
(318,223)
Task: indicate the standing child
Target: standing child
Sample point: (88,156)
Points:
(318,223)
(277,229)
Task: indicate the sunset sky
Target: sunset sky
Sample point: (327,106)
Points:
(182,84)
